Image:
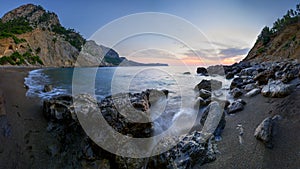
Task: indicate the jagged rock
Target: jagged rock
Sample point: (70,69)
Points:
(202,71)
(253,92)
(195,148)
(236,106)
(236,92)
(264,132)
(209,85)
(276,88)
(214,108)
(48,88)
(263,77)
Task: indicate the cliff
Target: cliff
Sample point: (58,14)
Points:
(32,36)
(280,42)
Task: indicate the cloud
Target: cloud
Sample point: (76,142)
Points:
(232,52)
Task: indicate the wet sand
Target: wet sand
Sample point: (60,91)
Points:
(22,129)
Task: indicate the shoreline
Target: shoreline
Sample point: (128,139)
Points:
(27,141)
(23,144)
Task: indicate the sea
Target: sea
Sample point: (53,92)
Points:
(101,82)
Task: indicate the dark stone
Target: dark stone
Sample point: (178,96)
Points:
(204,94)
(264,131)
(202,71)
(263,77)
(48,88)
(235,107)
(188,73)
(229,75)
(236,92)
(236,83)
(209,85)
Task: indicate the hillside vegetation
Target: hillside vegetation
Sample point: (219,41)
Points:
(282,41)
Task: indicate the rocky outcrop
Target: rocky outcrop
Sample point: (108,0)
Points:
(75,149)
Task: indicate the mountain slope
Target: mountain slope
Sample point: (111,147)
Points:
(282,41)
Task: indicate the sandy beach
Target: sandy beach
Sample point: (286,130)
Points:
(23,133)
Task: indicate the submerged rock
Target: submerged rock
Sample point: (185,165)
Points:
(276,88)
(48,88)
(202,71)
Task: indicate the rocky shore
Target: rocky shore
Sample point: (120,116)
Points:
(255,129)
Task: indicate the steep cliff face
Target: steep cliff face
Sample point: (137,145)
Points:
(283,45)
(29,35)
(281,41)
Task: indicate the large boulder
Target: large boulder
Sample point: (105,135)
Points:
(209,85)
(264,131)
(214,108)
(276,88)
(237,83)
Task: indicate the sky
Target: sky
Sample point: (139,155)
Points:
(192,32)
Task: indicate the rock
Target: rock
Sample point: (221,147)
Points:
(276,88)
(248,71)
(193,149)
(202,71)
(236,83)
(209,85)
(249,87)
(214,108)
(236,92)
(48,88)
(253,92)
(204,94)
(187,73)
(263,77)
(229,75)
(287,77)
(218,93)
(217,70)
(264,132)
(235,107)
(53,150)
(2,105)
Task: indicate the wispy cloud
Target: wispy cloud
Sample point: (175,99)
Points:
(232,52)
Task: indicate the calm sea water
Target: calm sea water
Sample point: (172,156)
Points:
(108,80)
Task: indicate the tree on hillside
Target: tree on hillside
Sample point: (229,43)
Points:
(265,35)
